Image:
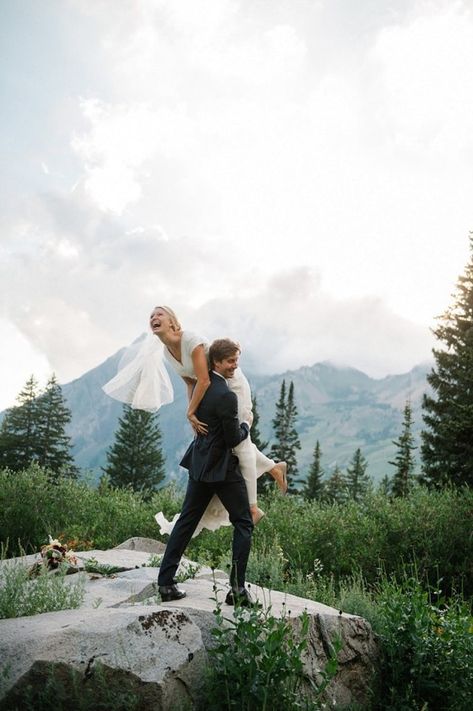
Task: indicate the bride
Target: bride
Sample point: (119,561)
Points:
(186,352)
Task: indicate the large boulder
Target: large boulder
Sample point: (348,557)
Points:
(160,648)
(122,637)
(144,545)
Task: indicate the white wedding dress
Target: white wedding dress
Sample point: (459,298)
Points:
(143,382)
(253,463)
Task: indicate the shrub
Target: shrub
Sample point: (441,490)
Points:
(428,529)
(20,595)
(256,662)
(31,508)
(427,649)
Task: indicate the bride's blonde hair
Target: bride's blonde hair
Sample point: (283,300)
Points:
(175,325)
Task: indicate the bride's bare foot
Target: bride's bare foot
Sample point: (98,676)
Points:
(279,474)
(256,514)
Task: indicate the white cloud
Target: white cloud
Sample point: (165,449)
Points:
(114,151)
(80,305)
(19,359)
(291,321)
(78,294)
(299,174)
(427,81)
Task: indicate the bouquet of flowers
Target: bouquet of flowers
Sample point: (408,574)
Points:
(56,556)
(55,553)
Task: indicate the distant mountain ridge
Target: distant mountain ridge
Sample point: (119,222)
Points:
(343,408)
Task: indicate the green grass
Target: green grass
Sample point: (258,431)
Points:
(431,529)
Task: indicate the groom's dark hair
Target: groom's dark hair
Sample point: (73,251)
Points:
(222,348)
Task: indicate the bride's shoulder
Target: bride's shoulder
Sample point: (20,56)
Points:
(191,340)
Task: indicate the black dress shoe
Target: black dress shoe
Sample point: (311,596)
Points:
(240,597)
(170,592)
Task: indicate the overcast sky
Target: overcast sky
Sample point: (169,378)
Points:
(297,174)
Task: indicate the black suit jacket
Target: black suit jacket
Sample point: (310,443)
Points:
(209,457)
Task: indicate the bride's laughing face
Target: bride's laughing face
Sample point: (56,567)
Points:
(160,321)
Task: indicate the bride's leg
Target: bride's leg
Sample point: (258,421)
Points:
(278,471)
(245,452)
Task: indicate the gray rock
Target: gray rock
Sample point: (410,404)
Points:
(158,651)
(143,545)
(158,646)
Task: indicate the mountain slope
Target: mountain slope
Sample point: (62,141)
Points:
(341,407)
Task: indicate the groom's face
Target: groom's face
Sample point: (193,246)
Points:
(227,366)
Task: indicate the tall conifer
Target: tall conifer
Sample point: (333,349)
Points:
(256,437)
(314,486)
(447,440)
(286,436)
(19,429)
(54,445)
(34,430)
(357,480)
(336,491)
(404,460)
(136,458)
(262,483)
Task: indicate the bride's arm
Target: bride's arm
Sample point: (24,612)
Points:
(190,382)
(199,362)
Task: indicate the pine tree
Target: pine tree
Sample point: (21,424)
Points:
(404,460)
(136,459)
(34,430)
(314,486)
(287,439)
(19,430)
(447,441)
(54,445)
(279,422)
(336,491)
(357,480)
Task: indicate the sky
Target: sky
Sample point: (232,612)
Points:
(295,174)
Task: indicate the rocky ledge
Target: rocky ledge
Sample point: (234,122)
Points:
(157,651)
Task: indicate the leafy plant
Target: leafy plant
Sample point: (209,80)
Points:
(188,570)
(257,662)
(92,565)
(427,649)
(154,561)
(20,595)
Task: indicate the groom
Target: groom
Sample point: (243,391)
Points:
(213,469)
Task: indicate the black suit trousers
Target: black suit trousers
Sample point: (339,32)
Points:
(233,495)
